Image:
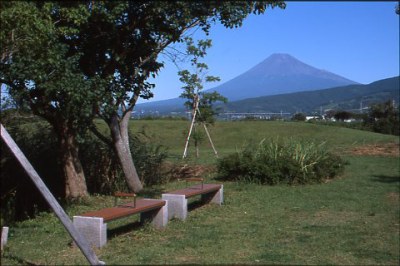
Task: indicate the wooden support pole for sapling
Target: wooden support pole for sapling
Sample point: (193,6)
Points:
(195,111)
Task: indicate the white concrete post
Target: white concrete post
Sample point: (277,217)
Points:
(216,198)
(158,217)
(177,206)
(4,236)
(93,229)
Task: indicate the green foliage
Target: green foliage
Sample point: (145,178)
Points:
(103,171)
(194,82)
(383,118)
(342,115)
(70,61)
(299,117)
(118,43)
(20,199)
(38,70)
(273,162)
(149,158)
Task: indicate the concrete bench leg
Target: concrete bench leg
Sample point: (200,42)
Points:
(157,217)
(93,228)
(177,206)
(215,197)
(4,236)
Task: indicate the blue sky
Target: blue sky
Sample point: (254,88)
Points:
(357,40)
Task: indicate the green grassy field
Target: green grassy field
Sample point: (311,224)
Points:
(227,136)
(351,220)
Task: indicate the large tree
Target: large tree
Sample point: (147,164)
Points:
(122,41)
(40,74)
(113,48)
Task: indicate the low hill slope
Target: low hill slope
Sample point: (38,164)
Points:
(347,98)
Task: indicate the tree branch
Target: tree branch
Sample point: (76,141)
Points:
(97,133)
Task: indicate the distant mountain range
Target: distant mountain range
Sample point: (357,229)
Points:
(351,97)
(274,84)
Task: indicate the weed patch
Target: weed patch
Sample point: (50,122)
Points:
(272,162)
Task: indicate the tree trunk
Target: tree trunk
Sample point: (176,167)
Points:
(75,183)
(119,133)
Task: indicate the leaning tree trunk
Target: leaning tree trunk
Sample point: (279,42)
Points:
(119,133)
(75,183)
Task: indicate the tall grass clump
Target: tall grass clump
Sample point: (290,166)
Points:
(274,162)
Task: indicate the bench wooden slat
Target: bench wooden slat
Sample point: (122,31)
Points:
(109,214)
(123,194)
(196,190)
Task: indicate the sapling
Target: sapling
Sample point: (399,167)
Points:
(198,101)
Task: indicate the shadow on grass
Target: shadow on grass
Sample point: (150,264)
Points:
(195,205)
(17,259)
(123,229)
(132,226)
(386,179)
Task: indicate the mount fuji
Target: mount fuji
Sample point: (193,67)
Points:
(278,74)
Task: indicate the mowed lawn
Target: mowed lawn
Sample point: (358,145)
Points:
(353,219)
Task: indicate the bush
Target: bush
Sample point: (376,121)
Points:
(20,198)
(102,169)
(276,162)
(148,158)
(299,117)
(383,118)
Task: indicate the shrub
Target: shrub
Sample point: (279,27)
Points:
(148,158)
(299,117)
(20,198)
(383,118)
(102,169)
(275,162)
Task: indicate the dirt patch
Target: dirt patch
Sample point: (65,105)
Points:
(182,171)
(383,149)
(393,198)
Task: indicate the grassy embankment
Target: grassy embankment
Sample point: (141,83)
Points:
(353,219)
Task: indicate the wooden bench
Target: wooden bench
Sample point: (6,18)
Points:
(178,199)
(93,225)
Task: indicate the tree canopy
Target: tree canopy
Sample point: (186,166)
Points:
(73,60)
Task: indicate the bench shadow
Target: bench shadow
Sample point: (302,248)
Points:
(386,179)
(195,204)
(124,229)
